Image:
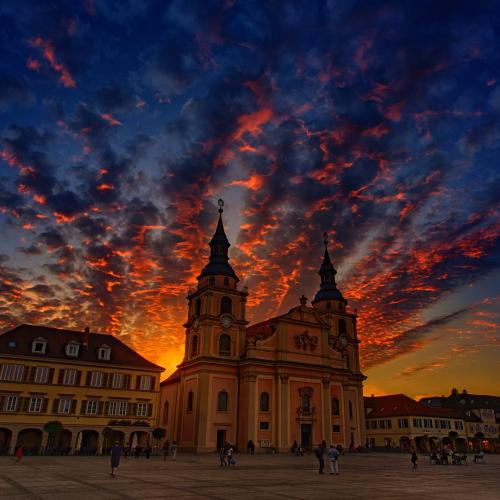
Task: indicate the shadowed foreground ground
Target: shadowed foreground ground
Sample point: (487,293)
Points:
(261,477)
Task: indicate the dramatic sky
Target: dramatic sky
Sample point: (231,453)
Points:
(123,121)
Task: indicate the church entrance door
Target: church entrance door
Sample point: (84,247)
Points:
(221,439)
(305,436)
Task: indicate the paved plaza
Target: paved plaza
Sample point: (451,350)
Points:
(260,477)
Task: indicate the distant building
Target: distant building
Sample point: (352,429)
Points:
(397,421)
(482,412)
(294,377)
(87,381)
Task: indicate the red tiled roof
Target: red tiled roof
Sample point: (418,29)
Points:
(24,335)
(400,405)
(261,331)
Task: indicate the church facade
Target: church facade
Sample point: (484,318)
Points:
(294,377)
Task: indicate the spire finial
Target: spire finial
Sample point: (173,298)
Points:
(221,205)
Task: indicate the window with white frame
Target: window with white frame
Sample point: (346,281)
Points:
(69,377)
(41,374)
(65,405)
(72,349)
(96,379)
(117,380)
(35,405)
(12,373)
(122,408)
(142,409)
(91,408)
(104,352)
(112,407)
(38,346)
(11,403)
(145,383)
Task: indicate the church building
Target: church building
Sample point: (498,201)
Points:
(293,377)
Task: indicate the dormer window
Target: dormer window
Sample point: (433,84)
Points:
(12,344)
(38,346)
(72,349)
(104,353)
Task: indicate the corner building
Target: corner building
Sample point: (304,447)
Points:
(293,377)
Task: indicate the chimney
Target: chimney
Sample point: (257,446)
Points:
(86,334)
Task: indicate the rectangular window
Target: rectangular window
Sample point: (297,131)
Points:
(403,423)
(335,428)
(381,424)
(91,407)
(96,379)
(69,377)
(122,408)
(117,380)
(35,405)
(41,374)
(112,407)
(145,383)
(65,405)
(39,347)
(458,425)
(142,409)
(11,403)
(374,424)
(428,423)
(388,424)
(264,426)
(436,424)
(12,373)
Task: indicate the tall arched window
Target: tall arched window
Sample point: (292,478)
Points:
(211,281)
(305,402)
(226,281)
(342,326)
(194,345)
(224,345)
(335,406)
(225,305)
(264,401)
(190,401)
(165,412)
(350,409)
(222,399)
(197,311)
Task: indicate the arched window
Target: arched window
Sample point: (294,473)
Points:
(342,327)
(264,401)
(165,412)
(328,306)
(190,401)
(211,281)
(335,406)
(197,308)
(222,399)
(194,345)
(350,409)
(226,281)
(224,345)
(225,305)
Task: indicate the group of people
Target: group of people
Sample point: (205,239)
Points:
(333,453)
(226,455)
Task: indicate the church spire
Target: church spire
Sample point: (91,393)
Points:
(219,245)
(328,288)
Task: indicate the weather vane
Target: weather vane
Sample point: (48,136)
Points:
(221,204)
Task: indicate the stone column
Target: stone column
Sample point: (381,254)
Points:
(285,414)
(327,419)
(252,407)
(13,440)
(74,438)
(45,440)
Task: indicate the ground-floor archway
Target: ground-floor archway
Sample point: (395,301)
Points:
(87,442)
(405,443)
(434,443)
(422,443)
(62,442)
(139,441)
(30,440)
(5,439)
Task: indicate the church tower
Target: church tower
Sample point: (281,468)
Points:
(216,313)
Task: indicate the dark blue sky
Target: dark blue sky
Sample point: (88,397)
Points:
(123,122)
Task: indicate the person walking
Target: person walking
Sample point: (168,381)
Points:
(333,456)
(19,455)
(319,452)
(222,456)
(166,449)
(116,452)
(414,458)
(173,449)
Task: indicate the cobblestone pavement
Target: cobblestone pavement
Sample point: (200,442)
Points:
(260,477)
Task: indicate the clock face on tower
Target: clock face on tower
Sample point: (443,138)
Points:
(226,321)
(342,340)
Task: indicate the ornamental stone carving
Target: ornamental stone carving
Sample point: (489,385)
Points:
(305,341)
